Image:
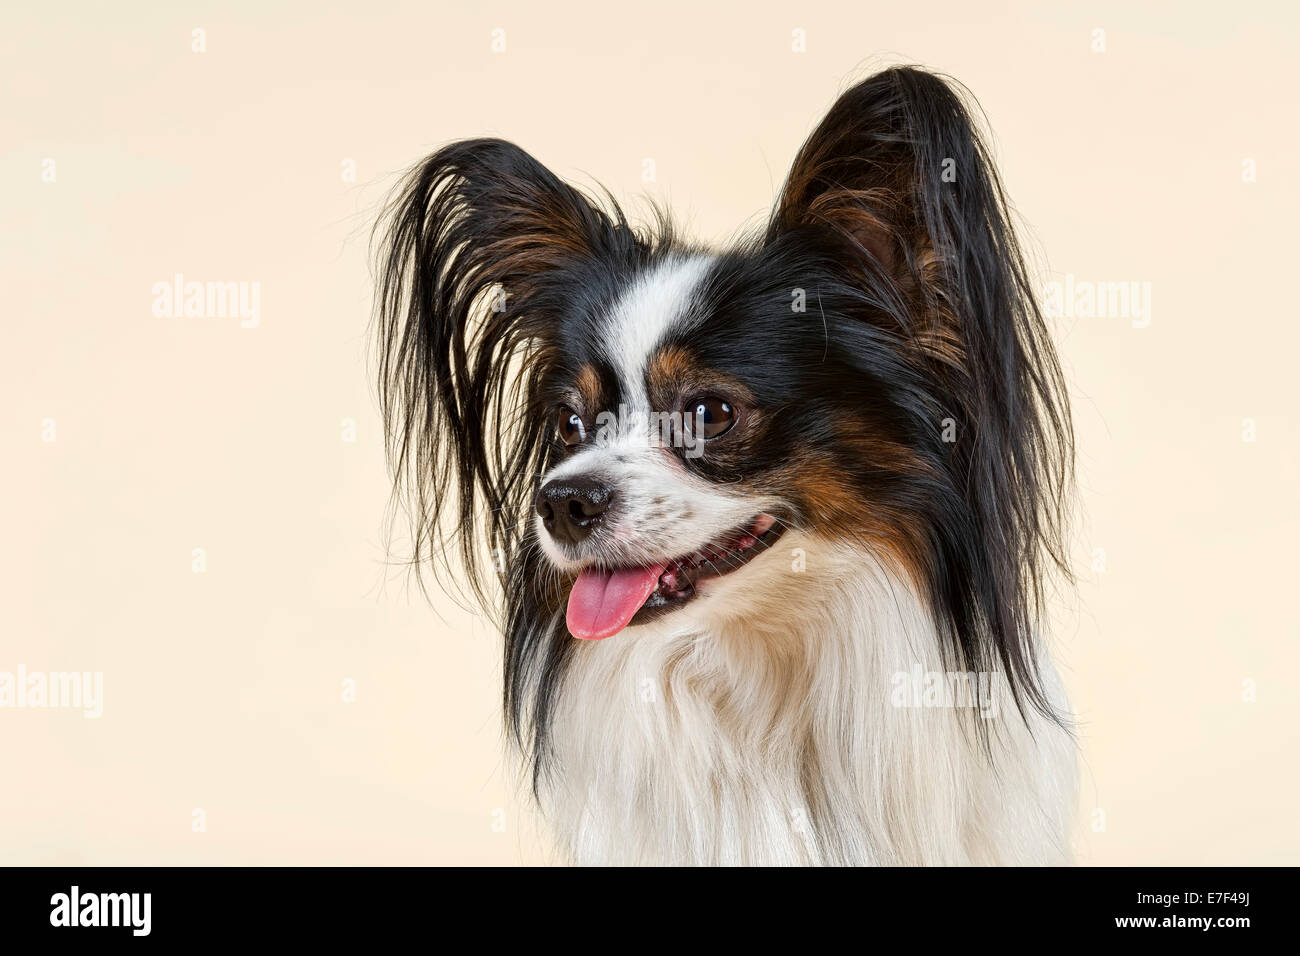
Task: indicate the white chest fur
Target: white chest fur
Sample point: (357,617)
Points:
(774,725)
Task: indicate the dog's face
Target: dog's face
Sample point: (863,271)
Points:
(631,506)
(696,415)
(642,427)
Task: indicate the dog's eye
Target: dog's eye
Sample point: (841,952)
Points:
(569,424)
(710,416)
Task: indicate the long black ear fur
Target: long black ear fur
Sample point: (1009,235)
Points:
(475,249)
(898,173)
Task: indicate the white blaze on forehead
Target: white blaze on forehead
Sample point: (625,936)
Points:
(646,312)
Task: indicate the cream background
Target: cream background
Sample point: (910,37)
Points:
(222,689)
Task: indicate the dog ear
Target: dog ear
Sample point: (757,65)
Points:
(482,213)
(475,249)
(897,168)
(896,186)
(852,177)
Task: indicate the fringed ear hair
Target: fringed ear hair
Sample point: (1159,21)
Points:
(898,184)
(475,249)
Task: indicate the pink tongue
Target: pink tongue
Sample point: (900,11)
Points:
(602,602)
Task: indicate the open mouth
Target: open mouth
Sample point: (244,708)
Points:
(603,601)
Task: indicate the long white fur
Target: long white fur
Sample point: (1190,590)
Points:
(759,724)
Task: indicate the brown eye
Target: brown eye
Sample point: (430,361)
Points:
(710,417)
(569,424)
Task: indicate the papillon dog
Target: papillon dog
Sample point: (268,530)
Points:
(772,523)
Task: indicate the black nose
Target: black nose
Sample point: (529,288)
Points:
(572,507)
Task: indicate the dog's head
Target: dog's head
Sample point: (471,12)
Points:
(635,423)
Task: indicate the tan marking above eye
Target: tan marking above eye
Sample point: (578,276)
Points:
(674,372)
(588,385)
(671,368)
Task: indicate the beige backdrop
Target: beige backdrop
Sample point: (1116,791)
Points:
(1159,151)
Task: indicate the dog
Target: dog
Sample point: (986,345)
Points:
(758,514)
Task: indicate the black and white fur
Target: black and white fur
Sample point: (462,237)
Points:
(908,430)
